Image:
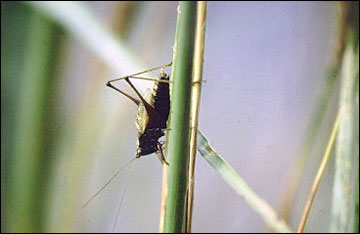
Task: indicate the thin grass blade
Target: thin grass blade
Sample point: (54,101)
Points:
(230,176)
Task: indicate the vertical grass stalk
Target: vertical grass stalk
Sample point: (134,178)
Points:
(195,102)
(342,189)
(320,173)
(179,137)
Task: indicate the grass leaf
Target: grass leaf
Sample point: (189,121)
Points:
(230,176)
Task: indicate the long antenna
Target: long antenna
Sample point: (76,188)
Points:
(123,195)
(100,190)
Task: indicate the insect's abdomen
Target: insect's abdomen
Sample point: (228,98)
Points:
(162,99)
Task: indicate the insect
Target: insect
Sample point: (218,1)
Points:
(153,112)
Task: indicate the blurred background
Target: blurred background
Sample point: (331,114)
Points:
(267,101)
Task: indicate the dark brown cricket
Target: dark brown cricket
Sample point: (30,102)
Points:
(153,113)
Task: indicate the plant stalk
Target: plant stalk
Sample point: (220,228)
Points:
(179,137)
(195,101)
(319,175)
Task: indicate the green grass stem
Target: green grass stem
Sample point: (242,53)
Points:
(179,138)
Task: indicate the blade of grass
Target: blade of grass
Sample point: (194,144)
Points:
(356,185)
(346,23)
(179,139)
(196,91)
(312,130)
(319,174)
(13,16)
(356,210)
(77,19)
(230,176)
(28,180)
(163,194)
(343,181)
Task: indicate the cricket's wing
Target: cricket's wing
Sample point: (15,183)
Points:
(142,117)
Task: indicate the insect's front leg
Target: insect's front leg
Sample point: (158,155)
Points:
(160,154)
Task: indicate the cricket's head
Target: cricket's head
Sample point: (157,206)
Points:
(144,148)
(148,142)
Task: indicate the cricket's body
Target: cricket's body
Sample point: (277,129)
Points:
(149,132)
(153,112)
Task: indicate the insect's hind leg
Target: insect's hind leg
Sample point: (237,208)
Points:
(150,79)
(139,73)
(136,101)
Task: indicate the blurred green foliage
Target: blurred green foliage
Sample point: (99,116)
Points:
(26,66)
